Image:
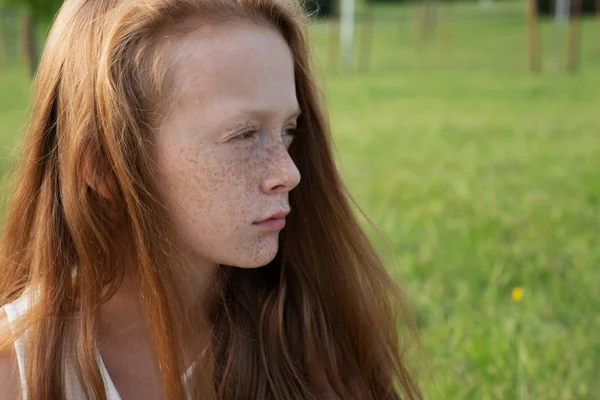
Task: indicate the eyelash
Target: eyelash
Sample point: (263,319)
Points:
(251,133)
(292,131)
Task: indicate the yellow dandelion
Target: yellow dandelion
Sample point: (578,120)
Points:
(517,294)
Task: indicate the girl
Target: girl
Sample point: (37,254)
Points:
(178,227)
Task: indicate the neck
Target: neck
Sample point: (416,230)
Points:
(122,315)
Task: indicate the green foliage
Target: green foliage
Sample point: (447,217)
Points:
(42,9)
(320,8)
(546,7)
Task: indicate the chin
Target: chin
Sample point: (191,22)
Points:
(257,263)
(262,256)
(251,254)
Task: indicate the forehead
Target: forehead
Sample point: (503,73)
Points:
(233,64)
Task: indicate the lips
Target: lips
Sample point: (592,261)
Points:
(277,215)
(275,221)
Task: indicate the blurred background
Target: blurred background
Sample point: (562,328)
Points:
(469,133)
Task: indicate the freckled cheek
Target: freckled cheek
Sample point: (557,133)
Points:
(229,193)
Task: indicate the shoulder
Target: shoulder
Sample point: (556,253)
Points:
(10,384)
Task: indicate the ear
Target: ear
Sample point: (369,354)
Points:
(98,180)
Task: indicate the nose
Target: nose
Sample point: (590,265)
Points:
(282,175)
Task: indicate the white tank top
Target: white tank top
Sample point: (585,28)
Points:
(14,311)
(18,308)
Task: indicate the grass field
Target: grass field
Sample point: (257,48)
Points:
(483,178)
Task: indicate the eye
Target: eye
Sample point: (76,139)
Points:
(289,134)
(291,131)
(249,134)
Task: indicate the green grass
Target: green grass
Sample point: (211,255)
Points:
(483,177)
(483,181)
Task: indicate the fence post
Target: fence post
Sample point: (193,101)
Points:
(28,48)
(598,18)
(574,36)
(447,31)
(420,24)
(334,36)
(425,21)
(561,10)
(366,42)
(347,33)
(533,32)
(3,55)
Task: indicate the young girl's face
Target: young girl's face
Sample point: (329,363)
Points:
(222,148)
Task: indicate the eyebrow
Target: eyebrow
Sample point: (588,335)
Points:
(295,113)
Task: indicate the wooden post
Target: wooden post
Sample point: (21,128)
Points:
(29,48)
(334,37)
(448,24)
(3,56)
(598,18)
(366,42)
(421,25)
(432,20)
(426,22)
(25,37)
(574,36)
(533,33)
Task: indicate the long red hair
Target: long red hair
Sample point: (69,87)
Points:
(323,319)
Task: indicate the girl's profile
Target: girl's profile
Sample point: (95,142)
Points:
(178,228)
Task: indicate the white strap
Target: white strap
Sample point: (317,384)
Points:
(111,390)
(14,313)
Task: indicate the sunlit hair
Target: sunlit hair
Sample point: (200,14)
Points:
(320,321)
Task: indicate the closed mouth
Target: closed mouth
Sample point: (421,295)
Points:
(277,215)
